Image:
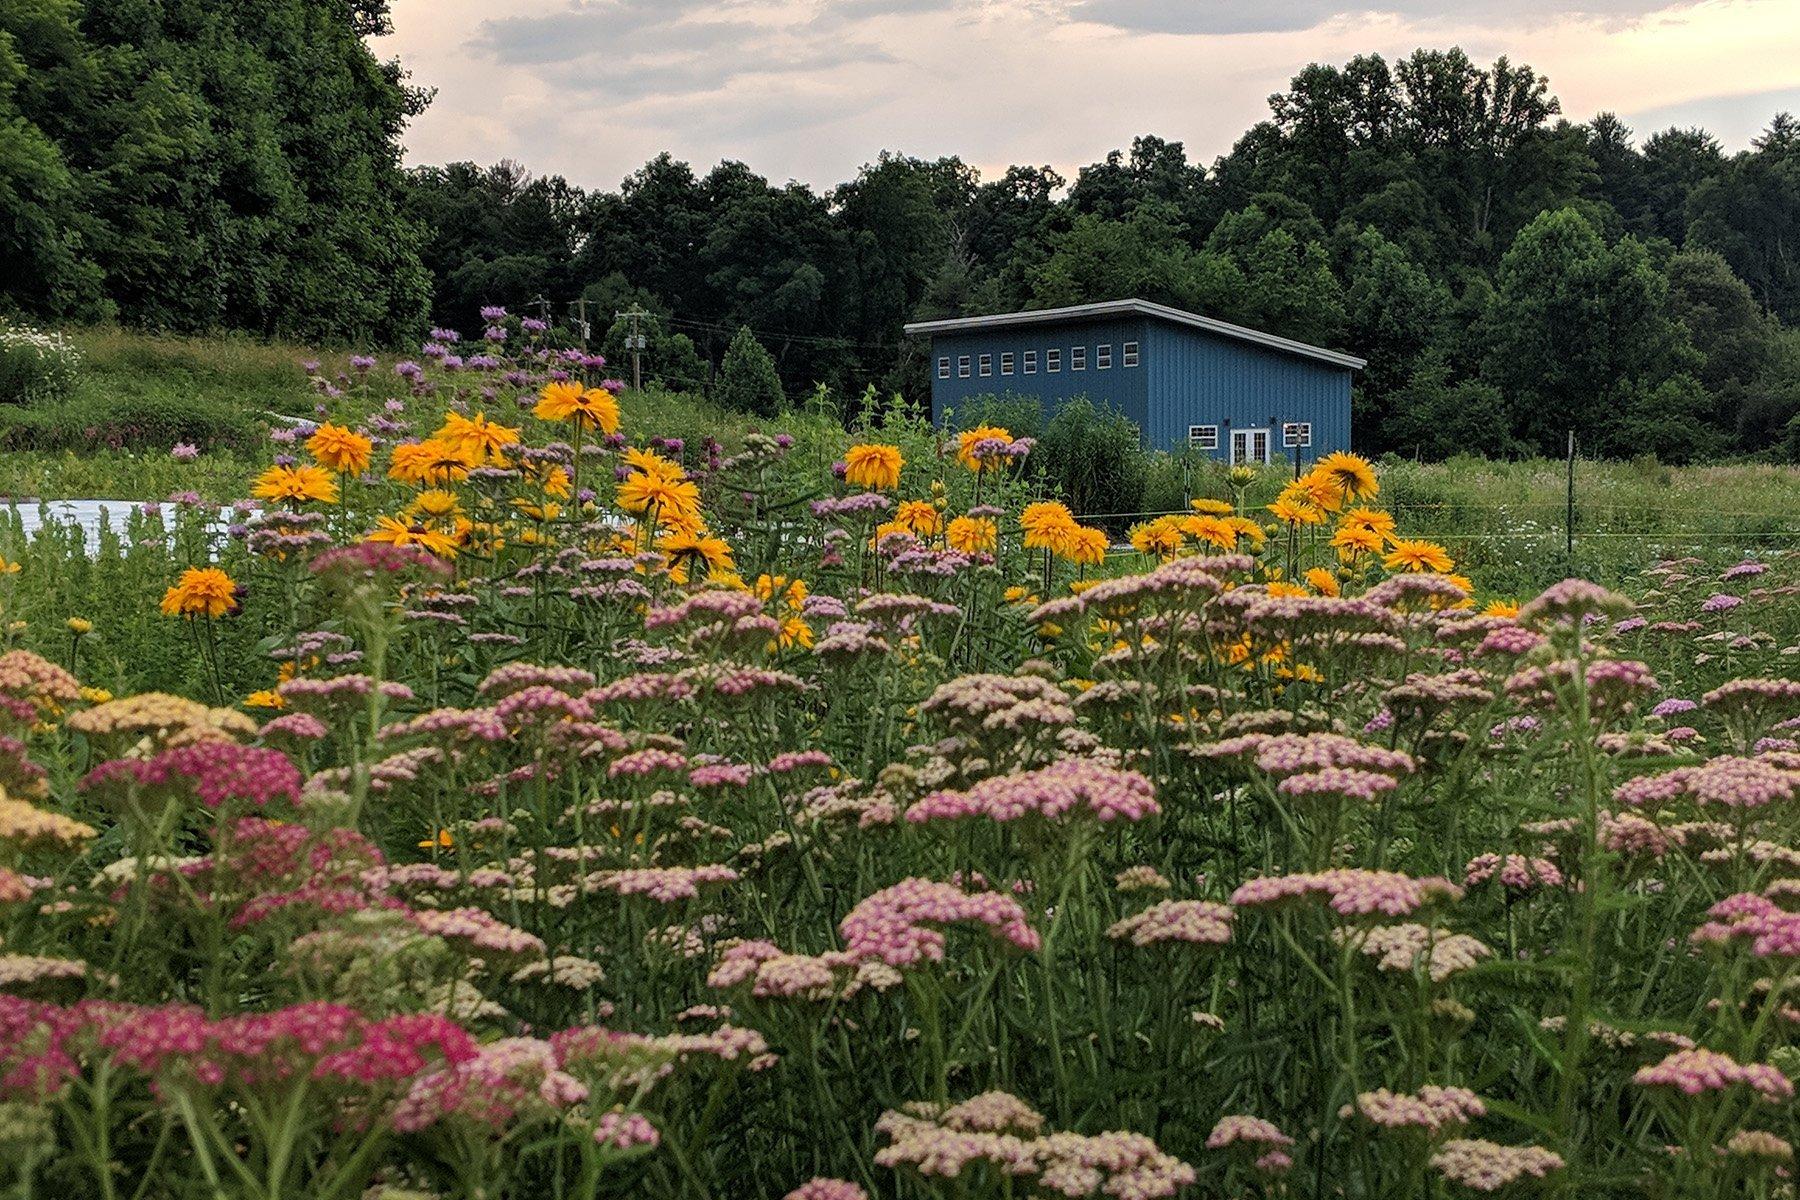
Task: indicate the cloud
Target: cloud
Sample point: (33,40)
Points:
(638,49)
(1259,16)
(810,89)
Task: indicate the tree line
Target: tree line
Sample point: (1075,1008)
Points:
(1509,274)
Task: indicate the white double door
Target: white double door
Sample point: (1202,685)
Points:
(1249,446)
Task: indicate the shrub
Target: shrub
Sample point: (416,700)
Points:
(1095,456)
(748,382)
(35,366)
(154,420)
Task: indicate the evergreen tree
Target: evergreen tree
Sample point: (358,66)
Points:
(748,381)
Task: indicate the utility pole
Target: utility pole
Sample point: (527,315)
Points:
(579,308)
(634,342)
(543,307)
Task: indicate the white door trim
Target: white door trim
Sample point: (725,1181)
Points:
(1249,442)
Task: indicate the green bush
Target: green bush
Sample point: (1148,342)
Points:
(748,382)
(145,420)
(1021,416)
(1095,457)
(35,367)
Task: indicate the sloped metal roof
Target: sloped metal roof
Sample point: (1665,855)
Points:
(1140,308)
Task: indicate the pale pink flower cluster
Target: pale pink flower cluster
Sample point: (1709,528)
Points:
(1630,834)
(1572,599)
(481,932)
(823,1188)
(1077,786)
(16,969)
(1198,922)
(1401,948)
(1002,1132)
(985,705)
(503,1080)
(1285,754)
(1724,782)
(642,763)
(1433,1109)
(774,973)
(1350,891)
(794,760)
(1484,1166)
(1692,1072)
(478,724)
(1338,783)
(663,884)
(540,705)
(1242,1129)
(513,677)
(894,925)
(1516,872)
(625,1131)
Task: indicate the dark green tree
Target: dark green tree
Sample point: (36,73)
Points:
(1580,333)
(748,381)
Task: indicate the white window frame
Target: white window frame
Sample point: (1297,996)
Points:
(944,366)
(1052,361)
(1296,435)
(1077,358)
(1203,437)
(1130,354)
(1103,357)
(1006,362)
(1248,441)
(1030,363)
(984,365)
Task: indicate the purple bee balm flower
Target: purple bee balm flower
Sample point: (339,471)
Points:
(310,366)
(784,440)
(533,325)
(362,362)
(615,386)
(493,312)
(445,335)
(184,452)
(185,499)
(408,369)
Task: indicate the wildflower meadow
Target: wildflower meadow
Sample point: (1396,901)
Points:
(511,799)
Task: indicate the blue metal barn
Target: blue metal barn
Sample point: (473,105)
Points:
(1187,380)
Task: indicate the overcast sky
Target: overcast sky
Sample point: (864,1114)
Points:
(811,89)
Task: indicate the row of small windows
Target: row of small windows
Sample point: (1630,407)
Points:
(983,364)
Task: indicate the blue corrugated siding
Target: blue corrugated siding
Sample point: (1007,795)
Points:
(1119,387)
(1197,378)
(1185,377)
